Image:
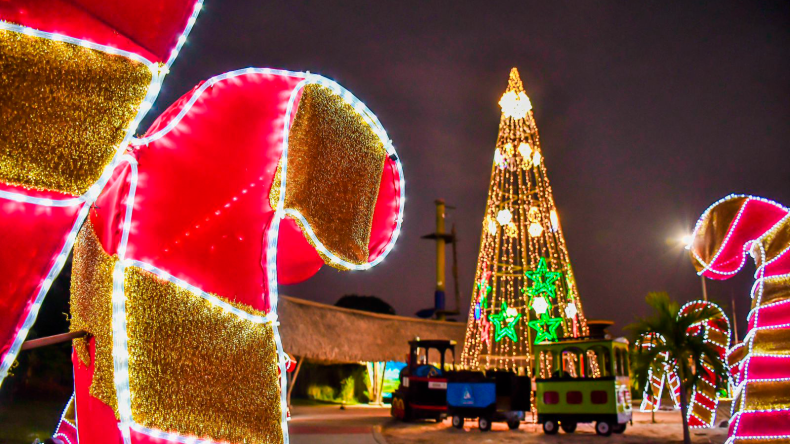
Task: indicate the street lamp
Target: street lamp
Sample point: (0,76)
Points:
(687,240)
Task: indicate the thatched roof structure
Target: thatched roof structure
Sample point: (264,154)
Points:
(321,332)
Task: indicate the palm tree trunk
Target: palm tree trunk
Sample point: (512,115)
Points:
(684,406)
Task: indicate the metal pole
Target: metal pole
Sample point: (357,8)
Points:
(704,289)
(440,243)
(50,340)
(293,381)
(455,271)
(382,371)
(734,318)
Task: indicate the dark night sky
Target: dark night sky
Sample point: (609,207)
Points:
(648,112)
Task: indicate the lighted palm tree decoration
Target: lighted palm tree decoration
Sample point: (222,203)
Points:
(672,339)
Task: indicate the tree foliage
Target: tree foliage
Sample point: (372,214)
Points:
(365,303)
(688,352)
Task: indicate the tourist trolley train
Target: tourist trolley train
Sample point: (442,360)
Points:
(489,397)
(422,393)
(576,381)
(583,381)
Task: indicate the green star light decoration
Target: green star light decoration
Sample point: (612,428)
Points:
(546,327)
(543,280)
(544,283)
(509,318)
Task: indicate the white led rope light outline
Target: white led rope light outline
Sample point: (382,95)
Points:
(758,289)
(54,271)
(664,364)
(119,313)
(157,76)
(704,216)
(695,392)
(350,99)
(120,337)
(153,88)
(65,409)
(120,350)
(772,304)
(645,395)
(272,235)
(704,324)
(737,415)
(667,375)
(730,231)
(347,96)
(63,419)
(152,91)
(26,30)
(771,231)
(215,301)
(60,435)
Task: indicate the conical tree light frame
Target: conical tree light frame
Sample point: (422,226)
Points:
(524,291)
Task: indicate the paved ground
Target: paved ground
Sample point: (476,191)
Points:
(667,430)
(328,424)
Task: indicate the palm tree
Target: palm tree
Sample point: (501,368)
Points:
(687,351)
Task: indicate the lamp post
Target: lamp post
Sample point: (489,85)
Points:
(686,240)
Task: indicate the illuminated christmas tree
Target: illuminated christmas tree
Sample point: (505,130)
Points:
(525,291)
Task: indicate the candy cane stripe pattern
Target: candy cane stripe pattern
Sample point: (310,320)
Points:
(704,399)
(728,231)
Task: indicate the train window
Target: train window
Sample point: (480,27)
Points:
(618,362)
(623,365)
(599,397)
(597,363)
(551,397)
(572,363)
(626,360)
(546,363)
(574,397)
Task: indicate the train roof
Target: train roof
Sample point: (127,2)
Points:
(432,343)
(585,342)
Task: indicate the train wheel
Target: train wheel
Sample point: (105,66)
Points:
(408,413)
(568,426)
(603,428)
(458,422)
(513,423)
(550,427)
(484,424)
(396,411)
(619,428)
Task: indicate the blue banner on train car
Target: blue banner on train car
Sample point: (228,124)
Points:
(471,394)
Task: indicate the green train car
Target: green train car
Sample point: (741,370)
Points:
(583,381)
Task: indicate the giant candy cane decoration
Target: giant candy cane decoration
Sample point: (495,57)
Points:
(725,233)
(254,178)
(77,78)
(704,399)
